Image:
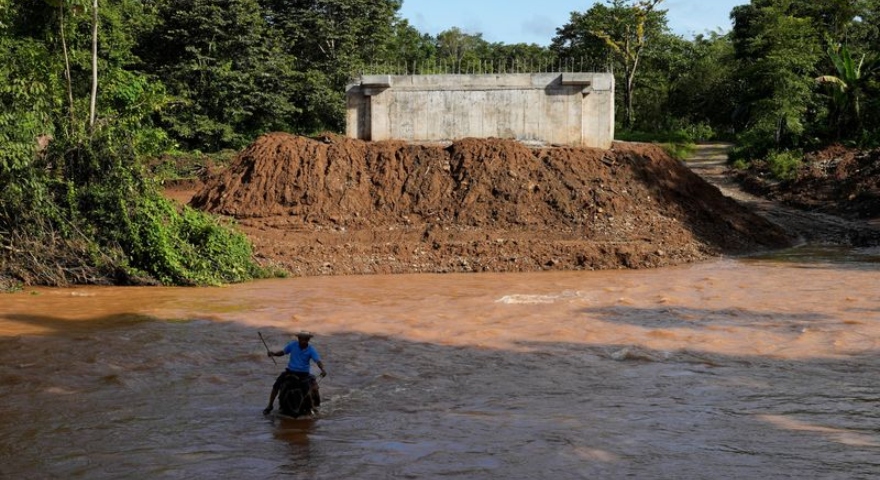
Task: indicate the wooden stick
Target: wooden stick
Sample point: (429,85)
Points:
(267,347)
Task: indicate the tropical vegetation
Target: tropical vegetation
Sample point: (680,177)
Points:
(92,90)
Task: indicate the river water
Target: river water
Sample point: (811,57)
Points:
(734,368)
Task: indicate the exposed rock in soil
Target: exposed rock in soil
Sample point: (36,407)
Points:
(340,206)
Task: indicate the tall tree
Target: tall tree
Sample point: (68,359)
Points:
(779,52)
(332,40)
(226,69)
(704,89)
(621,31)
(460,51)
(65,31)
(408,47)
(93,102)
(528,57)
(27,103)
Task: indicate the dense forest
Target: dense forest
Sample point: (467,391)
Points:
(92,91)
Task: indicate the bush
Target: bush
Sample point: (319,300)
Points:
(184,246)
(784,164)
(99,219)
(679,151)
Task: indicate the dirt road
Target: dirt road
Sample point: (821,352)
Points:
(709,162)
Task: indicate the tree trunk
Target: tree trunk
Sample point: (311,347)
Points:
(629,115)
(94,99)
(66,68)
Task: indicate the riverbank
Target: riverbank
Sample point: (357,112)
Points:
(336,206)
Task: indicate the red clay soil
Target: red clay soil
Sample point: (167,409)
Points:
(835,180)
(333,205)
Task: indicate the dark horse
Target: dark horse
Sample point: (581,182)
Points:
(298,395)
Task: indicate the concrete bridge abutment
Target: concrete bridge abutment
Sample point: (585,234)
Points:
(552,108)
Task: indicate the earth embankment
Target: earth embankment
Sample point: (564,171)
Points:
(332,205)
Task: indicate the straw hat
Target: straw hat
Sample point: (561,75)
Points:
(304,334)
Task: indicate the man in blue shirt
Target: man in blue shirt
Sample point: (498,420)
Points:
(299,364)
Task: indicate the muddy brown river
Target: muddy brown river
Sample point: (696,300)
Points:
(735,368)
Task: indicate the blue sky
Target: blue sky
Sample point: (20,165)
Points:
(535,21)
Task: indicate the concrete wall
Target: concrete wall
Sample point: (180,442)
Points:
(554,108)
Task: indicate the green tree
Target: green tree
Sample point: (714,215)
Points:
(777,52)
(77,207)
(226,69)
(848,88)
(27,103)
(703,89)
(332,40)
(530,58)
(408,47)
(458,51)
(621,32)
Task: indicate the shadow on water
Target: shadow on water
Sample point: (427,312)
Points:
(186,398)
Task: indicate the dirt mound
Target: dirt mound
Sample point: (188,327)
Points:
(840,181)
(835,180)
(337,205)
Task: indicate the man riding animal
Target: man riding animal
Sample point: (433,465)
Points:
(298,367)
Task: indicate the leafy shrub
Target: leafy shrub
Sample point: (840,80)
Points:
(109,223)
(679,151)
(785,163)
(698,132)
(185,246)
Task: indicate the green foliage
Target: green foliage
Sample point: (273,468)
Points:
(455,47)
(408,46)
(185,246)
(539,58)
(790,99)
(701,89)
(784,164)
(679,144)
(684,133)
(621,33)
(25,102)
(740,164)
(336,34)
(331,41)
(79,202)
(679,151)
(179,165)
(779,56)
(225,69)
(847,90)
(755,143)
(780,164)
(112,207)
